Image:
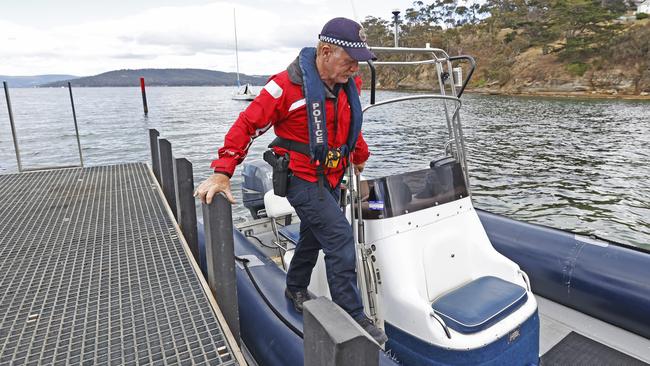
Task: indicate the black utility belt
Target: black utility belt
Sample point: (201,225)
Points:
(280,163)
(332,160)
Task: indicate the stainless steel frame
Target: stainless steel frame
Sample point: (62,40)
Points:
(444,69)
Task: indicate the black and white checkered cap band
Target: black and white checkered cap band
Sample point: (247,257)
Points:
(342,43)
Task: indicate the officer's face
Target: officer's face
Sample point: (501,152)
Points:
(344,65)
(339,66)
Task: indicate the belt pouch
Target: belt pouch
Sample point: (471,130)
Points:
(280,165)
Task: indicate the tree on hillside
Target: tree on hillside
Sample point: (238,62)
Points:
(378,31)
(586,25)
(447,13)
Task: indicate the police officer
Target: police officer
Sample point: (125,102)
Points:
(314,109)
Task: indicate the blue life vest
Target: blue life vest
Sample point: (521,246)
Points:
(314,91)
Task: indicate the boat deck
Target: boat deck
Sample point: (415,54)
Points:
(93,271)
(569,337)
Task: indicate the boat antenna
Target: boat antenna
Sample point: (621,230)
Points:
(354,12)
(234,17)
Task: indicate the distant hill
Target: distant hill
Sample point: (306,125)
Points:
(161,77)
(33,81)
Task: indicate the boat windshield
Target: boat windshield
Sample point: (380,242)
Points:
(413,191)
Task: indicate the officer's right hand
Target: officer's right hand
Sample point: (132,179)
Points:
(215,184)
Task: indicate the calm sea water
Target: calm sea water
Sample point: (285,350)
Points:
(580,165)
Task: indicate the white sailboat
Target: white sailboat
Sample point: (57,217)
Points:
(244,92)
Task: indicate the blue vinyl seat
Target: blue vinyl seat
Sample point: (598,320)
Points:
(291,232)
(479,304)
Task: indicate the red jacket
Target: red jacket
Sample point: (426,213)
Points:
(281,104)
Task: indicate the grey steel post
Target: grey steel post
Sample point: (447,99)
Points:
(167,173)
(333,338)
(220,255)
(13,127)
(76,128)
(396,21)
(184,182)
(155,155)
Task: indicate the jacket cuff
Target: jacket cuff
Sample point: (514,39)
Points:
(224,166)
(224,173)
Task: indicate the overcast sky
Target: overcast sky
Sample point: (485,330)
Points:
(87,37)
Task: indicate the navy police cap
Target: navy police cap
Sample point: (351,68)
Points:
(348,34)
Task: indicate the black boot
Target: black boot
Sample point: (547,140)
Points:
(297,298)
(377,334)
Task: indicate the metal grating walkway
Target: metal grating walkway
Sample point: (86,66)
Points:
(92,272)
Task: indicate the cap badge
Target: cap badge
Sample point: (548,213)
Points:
(362,34)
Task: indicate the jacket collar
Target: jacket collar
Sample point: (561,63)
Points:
(295,75)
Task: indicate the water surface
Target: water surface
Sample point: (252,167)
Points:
(579,165)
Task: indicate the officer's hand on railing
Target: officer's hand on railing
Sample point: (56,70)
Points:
(358,168)
(215,184)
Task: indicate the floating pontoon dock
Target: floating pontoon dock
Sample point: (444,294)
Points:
(93,270)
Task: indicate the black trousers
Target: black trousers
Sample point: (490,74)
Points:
(323,226)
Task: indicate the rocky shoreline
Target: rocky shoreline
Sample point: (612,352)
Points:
(561,93)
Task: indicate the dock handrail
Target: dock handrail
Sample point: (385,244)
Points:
(15,138)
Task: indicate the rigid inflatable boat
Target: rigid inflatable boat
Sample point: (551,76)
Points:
(450,284)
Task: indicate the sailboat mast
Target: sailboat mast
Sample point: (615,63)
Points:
(234,17)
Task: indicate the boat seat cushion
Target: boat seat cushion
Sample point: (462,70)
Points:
(291,232)
(479,304)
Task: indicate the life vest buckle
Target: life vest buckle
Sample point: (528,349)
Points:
(333,158)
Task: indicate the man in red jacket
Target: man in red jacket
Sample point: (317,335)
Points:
(314,109)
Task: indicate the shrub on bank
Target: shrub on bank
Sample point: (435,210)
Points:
(577,68)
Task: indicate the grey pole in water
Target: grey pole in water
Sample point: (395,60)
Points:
(167,174)
(184,182)
(13,127)
(220,255)
(76,128)
(144,97)
(333,338)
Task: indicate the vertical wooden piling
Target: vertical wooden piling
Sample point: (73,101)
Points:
(220,255)
(167,173)
(13,127)
(144,97)
(155,155)
(184,182)
(333,338)
(76,128)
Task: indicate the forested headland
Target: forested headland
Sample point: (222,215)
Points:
(554,47)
